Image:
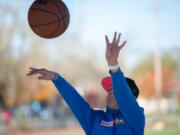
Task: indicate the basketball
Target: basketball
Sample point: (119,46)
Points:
(48,18)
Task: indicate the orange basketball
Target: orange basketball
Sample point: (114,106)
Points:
(48,18)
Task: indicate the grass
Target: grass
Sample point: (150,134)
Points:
(164,132)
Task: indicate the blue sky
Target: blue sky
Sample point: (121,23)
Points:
(92,19)
(134,19)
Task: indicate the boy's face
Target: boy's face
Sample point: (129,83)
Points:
(111,101)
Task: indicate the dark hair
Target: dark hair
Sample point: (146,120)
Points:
(133,86)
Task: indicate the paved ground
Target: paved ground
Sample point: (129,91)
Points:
(64,131)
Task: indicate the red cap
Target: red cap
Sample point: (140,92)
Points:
(106,83)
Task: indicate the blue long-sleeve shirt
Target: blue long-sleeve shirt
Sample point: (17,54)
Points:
(128,120)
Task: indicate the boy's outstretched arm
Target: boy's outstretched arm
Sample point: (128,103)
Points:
(77,104)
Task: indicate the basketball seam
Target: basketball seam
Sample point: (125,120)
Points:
(66,19)
(44,11)
(49,13)
(58,21)
(39,25)
(60,11)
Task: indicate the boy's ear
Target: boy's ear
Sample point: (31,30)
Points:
(110,88)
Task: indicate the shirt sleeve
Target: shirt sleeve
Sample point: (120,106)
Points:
(76,103)
(129,107)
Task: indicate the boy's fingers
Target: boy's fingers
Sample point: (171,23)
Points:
(33,72)
(122,45)
(107,40)
(33,68)
(36,69)
(114,39)
(117,42)
(30,73)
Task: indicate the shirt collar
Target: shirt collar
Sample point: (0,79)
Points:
(112,111)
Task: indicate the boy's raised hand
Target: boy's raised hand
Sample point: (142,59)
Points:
(113,49)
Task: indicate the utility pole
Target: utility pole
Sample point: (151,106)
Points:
(157,59)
